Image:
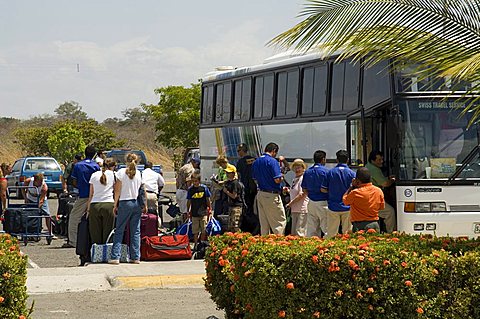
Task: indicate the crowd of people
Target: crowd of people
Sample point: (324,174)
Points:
(254,194)
(317,202)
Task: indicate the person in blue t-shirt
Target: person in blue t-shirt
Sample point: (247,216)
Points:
(314,178)
(266,172)
(82,171)
(339,180)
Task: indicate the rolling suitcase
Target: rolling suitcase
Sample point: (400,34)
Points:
(165,247)
(148,227)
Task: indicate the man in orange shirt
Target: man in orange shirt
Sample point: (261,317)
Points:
(365,201)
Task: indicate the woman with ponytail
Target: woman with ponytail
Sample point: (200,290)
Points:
(100,203)
(127,209)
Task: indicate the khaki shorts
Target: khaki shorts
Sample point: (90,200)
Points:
(199,224)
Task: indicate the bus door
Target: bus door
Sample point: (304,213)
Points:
(360,137)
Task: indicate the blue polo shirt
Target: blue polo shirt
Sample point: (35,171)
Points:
(314,178)
(339,180)
(82,171)
(265,170)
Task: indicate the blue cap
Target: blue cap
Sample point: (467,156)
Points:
(196,160)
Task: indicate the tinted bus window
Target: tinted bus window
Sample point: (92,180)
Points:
(287,92)
(350,89)
(222,102)
(345,81)
(263,96)
(338,75)
(207,104)
(314,98)
(376,84)
(241,103)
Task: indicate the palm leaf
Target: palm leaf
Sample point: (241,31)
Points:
(442,37)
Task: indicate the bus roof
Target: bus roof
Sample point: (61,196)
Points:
(282,59)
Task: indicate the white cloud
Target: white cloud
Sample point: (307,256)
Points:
(40,76)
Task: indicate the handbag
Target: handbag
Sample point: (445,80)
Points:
(213,227)
(185,229)
(173,210)
(101,253)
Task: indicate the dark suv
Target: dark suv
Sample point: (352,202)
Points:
(120,154)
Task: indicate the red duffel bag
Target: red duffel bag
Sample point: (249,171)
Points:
(165,247)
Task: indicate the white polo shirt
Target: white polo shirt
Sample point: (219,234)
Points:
(152,180)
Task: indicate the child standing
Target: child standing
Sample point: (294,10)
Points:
(199,207)
(235,192)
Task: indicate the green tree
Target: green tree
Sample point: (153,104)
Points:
(33,140)
(177,116)
(71,110)
(65,142)
(97,135)
(442,37)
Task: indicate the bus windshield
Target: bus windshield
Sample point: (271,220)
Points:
(435,140)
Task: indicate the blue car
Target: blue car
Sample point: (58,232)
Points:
(26,167)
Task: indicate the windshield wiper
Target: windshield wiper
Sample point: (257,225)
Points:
(466,161)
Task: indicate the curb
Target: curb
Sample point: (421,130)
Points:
(162,281)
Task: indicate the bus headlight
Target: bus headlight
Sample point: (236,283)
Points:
(439,207)
(422,207)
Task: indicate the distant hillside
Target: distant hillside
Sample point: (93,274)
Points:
(138,136)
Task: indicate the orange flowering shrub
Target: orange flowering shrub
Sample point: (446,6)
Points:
(13,277)
(362,275)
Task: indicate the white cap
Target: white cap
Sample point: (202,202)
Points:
(99,160)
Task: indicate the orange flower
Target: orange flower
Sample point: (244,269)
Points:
(404,264)
(337,257)
(290,285)
(408,283)
(371,231)
(232,288)
(370,290)
(315,259)
(1,299)
(395,239)
(281,314)
(370,307)
(22,317)
(6,275)
(316,314)
(371,259)
(339,293)
(359,295)
(420,310)
(244,252)
(221,262)
(386,262)
(435,272)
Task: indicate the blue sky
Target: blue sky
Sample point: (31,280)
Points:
(125,49)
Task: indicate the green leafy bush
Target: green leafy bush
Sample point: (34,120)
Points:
(13,277)
(352,276)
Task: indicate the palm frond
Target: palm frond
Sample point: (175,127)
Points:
(442,37)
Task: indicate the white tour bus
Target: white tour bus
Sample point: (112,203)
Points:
(306,103)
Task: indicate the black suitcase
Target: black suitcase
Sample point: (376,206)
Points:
(65,206)
(84,242)
(17,218)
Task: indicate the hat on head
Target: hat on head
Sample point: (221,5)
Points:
(196,160)
(231,169)
(99,161)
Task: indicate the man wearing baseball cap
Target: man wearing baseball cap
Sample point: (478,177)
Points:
(183,182)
